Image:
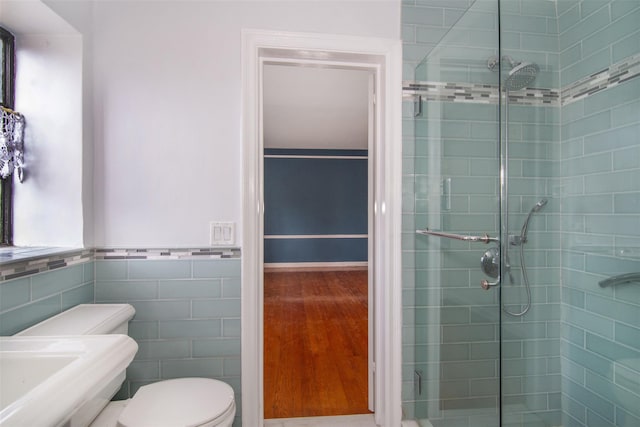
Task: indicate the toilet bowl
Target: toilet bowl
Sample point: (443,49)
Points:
(181,402)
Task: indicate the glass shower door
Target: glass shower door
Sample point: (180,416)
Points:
(530,288)
(535,142)
(457,216)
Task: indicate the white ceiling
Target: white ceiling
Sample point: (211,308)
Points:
(311,107)
(31,17)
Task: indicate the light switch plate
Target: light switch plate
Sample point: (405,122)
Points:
(222,233)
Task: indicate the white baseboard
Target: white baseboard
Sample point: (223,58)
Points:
(316,266)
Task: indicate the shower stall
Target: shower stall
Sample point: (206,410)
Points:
(521,216)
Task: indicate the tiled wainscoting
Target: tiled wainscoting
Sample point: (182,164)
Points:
(187,302)
(31,291)
(187,320)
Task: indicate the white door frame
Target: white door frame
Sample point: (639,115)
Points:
(385,57)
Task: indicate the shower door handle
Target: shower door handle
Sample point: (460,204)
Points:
(482,239)
(486,285)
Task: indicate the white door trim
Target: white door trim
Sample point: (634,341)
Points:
(371,146)
(385,56)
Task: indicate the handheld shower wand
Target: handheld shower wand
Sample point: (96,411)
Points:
(525,228)
(521,240)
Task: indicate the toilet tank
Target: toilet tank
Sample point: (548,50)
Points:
(86,319)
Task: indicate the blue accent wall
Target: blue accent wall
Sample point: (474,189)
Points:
(315,250)
(315,196)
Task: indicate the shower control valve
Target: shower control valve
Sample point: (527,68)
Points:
(486,285)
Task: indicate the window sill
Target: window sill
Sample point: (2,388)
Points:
(12,254)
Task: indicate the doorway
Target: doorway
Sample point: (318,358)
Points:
(318,186)
(383,57)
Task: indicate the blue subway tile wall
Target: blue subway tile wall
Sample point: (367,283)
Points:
(187,320)
(599,215)
(39,293)
(423,25)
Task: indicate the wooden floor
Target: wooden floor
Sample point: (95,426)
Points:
(315,343)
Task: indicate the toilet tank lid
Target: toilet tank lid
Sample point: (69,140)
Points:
(84,319)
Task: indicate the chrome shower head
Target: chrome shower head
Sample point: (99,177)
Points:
(541,204)
(525,227)
(521,76)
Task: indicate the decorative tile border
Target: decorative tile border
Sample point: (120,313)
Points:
(168,253)
(36,263)
(25,267)
(477,93)
(539,97)
(617,73)
(442,91)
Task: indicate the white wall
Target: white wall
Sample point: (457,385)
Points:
(79,14)
(315,107)
(167,108)
(48,206)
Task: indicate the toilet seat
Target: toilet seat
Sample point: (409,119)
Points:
(182,402)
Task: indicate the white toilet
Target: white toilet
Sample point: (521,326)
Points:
(182,402)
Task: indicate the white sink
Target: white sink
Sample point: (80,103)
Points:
(60,380)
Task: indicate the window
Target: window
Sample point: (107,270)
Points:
(7,92)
